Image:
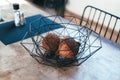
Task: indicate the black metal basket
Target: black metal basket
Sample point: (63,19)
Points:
(89,41)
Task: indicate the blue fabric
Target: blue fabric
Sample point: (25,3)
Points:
(10,34)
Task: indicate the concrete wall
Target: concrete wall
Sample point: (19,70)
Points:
(77,6)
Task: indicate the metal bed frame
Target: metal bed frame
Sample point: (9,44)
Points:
(102,22)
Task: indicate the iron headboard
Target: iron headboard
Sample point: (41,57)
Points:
(102,22)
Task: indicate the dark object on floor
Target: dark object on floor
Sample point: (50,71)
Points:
(39,2)
(57,5)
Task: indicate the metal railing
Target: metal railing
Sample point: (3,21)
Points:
(102,22)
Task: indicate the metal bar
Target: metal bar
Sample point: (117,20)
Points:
(83,15)
(98,21)
(102,24)
(118,36)
(89,56)
(37,46)
(104,11)
(113,29)
(93,18)
(107,26)
(88,16)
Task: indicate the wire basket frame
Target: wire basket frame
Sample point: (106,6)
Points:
(90,41)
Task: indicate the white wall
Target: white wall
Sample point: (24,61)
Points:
(77,6)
